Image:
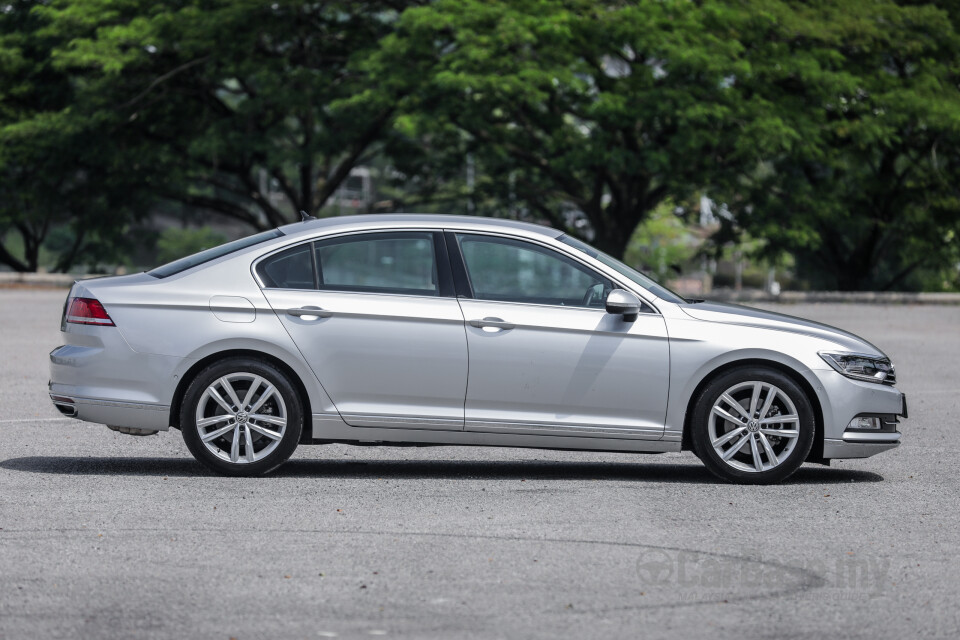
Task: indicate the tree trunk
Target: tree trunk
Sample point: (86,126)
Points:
(66,260)
(32,254)
(614,226)
(847,280)
(11,261)
(611,238)
(858,271)
(31,246)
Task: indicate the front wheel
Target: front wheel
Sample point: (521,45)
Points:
(752,425)
(241,417)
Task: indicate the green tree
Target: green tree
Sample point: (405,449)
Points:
(829,128)
(662,245)
(175,243)
(859,178)
(605,107)
(254,110)
(58,169)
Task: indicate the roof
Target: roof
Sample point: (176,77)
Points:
(426,219)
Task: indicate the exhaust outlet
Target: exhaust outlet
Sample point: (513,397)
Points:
(65,405)
(68,410)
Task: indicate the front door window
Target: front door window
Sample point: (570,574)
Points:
(507,270)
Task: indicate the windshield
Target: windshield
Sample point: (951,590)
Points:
(644,281)
(213,253)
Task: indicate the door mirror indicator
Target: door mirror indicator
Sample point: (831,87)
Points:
(622,302)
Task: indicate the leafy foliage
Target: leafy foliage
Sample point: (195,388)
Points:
(662,245)
(855,145)
(253,110)
(830,129)
(59,169)
(609,107)
(175,243)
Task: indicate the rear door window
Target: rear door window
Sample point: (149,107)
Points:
(403,262)
(400,262)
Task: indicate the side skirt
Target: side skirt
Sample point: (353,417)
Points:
(331,428)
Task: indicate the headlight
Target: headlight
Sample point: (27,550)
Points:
(861,367)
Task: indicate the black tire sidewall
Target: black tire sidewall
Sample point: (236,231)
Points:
(284,387)
(703,406)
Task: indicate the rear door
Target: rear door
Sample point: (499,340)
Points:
(375,317)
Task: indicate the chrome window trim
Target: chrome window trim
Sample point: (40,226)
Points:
(540,304)
(564,249)
(367,293)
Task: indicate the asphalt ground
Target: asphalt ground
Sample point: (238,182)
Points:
(104,535)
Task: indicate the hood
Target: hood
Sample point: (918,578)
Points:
(761,319)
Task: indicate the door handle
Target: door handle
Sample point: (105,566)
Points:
(309,311)
(492,323)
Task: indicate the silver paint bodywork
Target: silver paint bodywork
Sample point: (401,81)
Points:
(442,370)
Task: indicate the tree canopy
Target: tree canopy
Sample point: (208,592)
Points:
(234,99)
(610,107)
(829,129)
(861,180)
(64,180)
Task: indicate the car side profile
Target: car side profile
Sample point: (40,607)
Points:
(448,330)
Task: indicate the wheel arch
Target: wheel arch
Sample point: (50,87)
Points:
(198,366)
(816,452)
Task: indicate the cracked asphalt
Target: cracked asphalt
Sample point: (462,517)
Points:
(104,535)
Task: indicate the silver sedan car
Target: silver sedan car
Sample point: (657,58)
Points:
(445,330)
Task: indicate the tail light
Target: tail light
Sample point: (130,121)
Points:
(88,311)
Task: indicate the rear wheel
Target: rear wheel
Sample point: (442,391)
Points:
(241,417)
(752,425)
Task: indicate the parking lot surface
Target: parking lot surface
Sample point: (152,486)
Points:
(104,535)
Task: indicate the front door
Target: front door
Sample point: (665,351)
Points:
(545,357)
(375,317)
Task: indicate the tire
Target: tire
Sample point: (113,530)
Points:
(743,450)
(265,430)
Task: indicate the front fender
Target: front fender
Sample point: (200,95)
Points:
(699,349)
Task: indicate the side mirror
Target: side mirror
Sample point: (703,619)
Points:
(622,302)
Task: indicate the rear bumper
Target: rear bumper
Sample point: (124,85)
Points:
(97,377)
(136,415)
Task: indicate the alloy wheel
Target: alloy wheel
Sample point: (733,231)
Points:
(754,426)
(241,418)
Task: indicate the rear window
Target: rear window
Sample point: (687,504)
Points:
(178,266)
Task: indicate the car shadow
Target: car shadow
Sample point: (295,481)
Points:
(421,469)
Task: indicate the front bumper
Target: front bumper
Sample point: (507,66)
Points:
(850,399)
(859,443)
(833,449)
